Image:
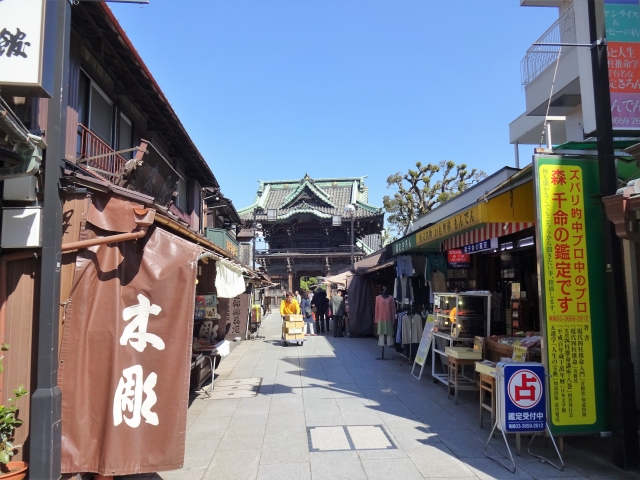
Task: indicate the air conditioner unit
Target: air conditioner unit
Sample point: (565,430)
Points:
(21,227)
(21,189)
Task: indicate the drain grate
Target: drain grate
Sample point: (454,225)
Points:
(342,438)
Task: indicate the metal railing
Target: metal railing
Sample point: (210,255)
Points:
(108,163)
(540,57)
(273,251)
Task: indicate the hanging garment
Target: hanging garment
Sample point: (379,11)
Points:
(402,291)
(438,282)
(404,266)
(420,290)
(435,261)
(229,281)
(399,320)
(385,309)
(419,264)
(411,329)
(388,339)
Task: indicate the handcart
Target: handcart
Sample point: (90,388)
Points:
(293,330)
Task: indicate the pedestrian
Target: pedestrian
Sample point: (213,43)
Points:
(337,311)
(307,314)
(289,306)
(298,298)
(320,303)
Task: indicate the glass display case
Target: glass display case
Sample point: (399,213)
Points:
(458,319)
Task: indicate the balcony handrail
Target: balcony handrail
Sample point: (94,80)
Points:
(539,57)
(97,154)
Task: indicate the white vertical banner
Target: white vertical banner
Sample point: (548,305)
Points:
(21,42)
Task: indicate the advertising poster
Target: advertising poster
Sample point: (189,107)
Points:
(569,230)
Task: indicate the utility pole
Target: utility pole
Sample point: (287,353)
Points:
(45,429)
(622,397)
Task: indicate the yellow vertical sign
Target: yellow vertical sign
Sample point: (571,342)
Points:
(566,288)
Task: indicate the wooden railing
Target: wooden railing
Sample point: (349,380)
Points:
(102,158)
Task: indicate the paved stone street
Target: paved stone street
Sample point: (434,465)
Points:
(383,424)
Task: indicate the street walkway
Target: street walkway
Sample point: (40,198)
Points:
(330,410)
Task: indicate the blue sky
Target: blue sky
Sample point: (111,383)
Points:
(274,89)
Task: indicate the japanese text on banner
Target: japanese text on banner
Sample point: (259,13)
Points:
(566,285)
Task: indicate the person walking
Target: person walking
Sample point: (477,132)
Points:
(321,303)
(307,314)
(289,306)
(298,298)
(337,311)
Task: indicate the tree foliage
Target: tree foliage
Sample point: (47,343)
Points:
(420,191)
(307,283)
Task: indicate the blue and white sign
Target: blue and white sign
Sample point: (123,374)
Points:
(482,246)
(521,397)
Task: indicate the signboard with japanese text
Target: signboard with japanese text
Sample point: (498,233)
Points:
(483,246)
(403,245)
(21,45)
(522,404)
(423,348)
(126,352)
(235,313)
(458,259)
(622,24)
(461,222)
(569,229)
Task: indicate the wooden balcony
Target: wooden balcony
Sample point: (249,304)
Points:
(97,155)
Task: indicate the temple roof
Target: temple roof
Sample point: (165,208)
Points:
(321,197)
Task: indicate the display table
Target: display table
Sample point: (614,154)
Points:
(456,377)
(203,366)
(487,387)
(494,350)
(440,342)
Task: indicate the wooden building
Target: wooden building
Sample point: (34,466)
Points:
(125,142)
(304,236)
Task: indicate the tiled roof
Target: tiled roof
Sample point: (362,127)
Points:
(322,197)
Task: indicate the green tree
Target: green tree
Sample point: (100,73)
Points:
(420,191)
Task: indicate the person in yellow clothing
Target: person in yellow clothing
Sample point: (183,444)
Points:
(289,306)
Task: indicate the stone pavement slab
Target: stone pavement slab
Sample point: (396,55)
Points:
(333,391)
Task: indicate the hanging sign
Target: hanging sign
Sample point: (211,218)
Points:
(458,259)
(521,397)
(21,45)
(569,229)
(621,19)
(482,246)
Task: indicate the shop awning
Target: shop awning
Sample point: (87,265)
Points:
(340,279)
(513,207)
(490,230)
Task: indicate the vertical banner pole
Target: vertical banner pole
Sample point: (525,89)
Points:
(622,398)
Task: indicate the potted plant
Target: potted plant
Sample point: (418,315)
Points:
(8,424)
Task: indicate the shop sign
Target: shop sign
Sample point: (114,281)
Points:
(125,356)
(569,229)
(522,404)
(458,223)
(21,44)
(623,57)
(403,245)
(234,313)
(482,246)
(458,259)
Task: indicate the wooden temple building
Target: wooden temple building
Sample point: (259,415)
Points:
(302,231)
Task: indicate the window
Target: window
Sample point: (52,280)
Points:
(95,110)
(125,136)
(181,201)
(101,115)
